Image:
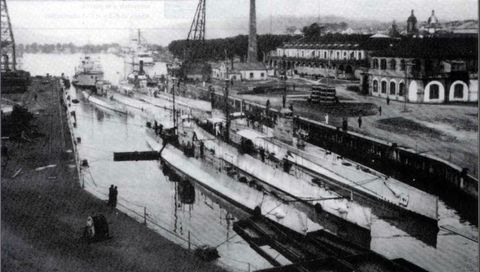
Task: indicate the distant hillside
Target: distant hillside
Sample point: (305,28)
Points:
(279,24)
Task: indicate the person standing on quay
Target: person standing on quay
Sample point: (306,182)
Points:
(380,110)
(110,195)
(388,100)
(359,121)
(114,197)
(345,124)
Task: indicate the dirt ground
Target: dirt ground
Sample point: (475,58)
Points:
(43,212)
(448,131)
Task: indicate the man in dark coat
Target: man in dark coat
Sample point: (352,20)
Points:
(114,197)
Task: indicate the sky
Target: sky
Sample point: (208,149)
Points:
(104,21)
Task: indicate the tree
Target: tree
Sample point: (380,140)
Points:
(228,48)
(34,47)
(313,31)
(291,30)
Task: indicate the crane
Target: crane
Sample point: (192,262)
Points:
(195,42)
(8,58)
(197,29)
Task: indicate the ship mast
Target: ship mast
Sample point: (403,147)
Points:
(138,39)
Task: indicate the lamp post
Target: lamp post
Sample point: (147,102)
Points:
(173,108)
(227,114)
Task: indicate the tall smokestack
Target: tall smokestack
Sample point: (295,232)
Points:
(252,34)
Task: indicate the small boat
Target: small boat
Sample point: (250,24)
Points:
(137,82)
(87,73)
(139,50)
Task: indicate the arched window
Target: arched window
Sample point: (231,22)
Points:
(402,65)
(384,87)
(458,91)
(393,88)
(325,55)
(375,86)
(359,55)
(434,91)
(383,64)
(401,89)
(375,63)
(393,64)
(338,55)
(352,55)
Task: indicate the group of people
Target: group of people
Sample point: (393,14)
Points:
(112,196)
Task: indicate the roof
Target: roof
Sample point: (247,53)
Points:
(215,120)
(342,41)
(379,35)
(468,25)
(7,109)
(242,66)
(432,47)
(237,114)
(251,134)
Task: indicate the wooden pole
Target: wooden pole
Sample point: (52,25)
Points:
(227,114)
(188,240)
(174,113)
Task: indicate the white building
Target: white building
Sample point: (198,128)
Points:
(427,70)
(240,71)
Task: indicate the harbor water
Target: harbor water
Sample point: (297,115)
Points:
(175,211)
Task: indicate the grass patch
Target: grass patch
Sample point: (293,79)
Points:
(317,111)
(409,127)
(466,124)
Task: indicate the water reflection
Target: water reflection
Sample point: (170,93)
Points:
(186,192)
(99,114)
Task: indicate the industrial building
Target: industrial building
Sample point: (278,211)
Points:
(332,55)
(435,69)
